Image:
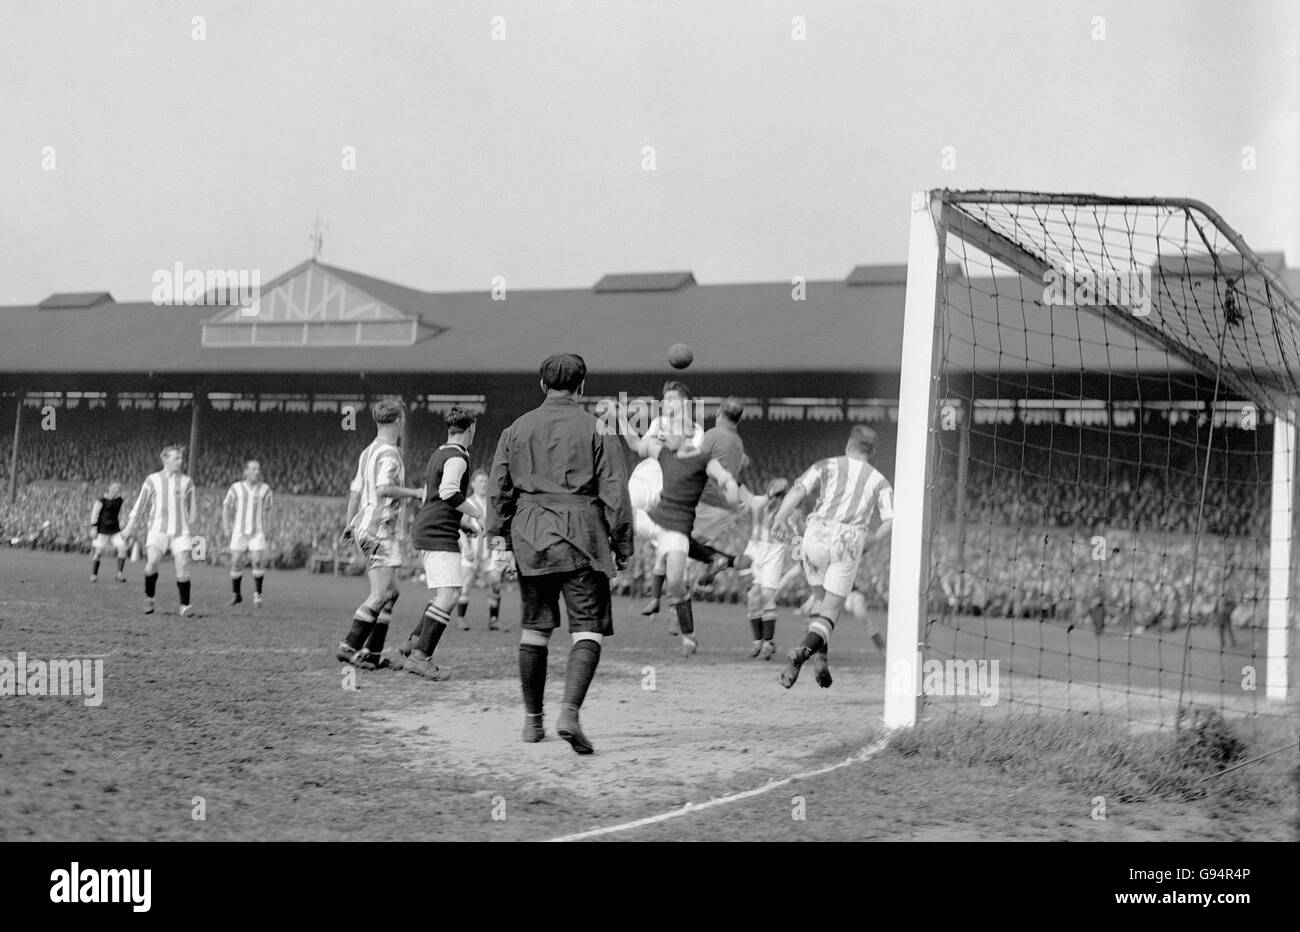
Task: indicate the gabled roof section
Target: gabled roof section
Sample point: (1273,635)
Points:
(645,281)
(315,305)
(75,299)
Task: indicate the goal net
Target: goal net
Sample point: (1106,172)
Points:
(1095,464)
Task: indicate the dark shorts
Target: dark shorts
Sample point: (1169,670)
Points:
(586,601)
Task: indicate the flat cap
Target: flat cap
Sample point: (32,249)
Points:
(564,371)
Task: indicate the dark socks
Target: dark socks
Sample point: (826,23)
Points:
(813,642)
(584,657)
(756,625)
(701,552)
(362,622)
(768,628)
(462,608)
(236,583)
(183,587)
(121,564)
(150,584)
(685,617)
(257,583)
(94,567)
(657,586)
(494,609)
(375,639)
(432,624)
(532,676)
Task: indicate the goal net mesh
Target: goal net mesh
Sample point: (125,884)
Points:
(1108,376)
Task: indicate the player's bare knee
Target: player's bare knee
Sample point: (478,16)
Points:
(536,638)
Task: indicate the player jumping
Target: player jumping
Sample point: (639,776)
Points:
(446,509)
(686,469)
(104,518)
(375,524)
(247,502)
(169,495)
(851,492)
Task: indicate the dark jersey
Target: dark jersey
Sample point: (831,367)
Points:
(437,526)
(684,481)
(107,521)
(724,445)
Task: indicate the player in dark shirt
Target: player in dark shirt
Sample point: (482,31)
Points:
(686,471)
(715,514)
(105,518)
(446,510)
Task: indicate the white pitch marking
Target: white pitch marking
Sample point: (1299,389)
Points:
(864,754)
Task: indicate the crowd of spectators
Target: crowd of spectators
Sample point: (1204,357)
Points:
(1035,502)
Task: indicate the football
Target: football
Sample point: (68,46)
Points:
(680,356)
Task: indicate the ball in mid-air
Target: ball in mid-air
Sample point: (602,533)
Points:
(680,356)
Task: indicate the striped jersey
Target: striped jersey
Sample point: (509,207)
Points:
(378,516)
(168,497)
(250,503)
(764,521)
(852,491)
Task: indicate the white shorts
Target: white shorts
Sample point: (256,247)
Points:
(239,541)
(643,526)
(769,562)
(645,484)
(667,541)
(103,541)
(442,569)
(178,545)
(831,554)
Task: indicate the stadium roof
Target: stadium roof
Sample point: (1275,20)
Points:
(740,327)
(360,324)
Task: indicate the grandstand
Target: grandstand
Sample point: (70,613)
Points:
(95,387)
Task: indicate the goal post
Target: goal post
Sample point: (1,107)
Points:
(1120,376)
(916,406)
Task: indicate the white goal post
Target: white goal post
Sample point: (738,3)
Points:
(1264,371)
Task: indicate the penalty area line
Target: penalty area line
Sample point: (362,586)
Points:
(865,754)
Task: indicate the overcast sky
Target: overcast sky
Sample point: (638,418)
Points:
(477,157)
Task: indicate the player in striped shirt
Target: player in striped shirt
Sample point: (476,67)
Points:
(243,517)
(168,496)
(477,562)
(850,492)
(768,563)
(375,524)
